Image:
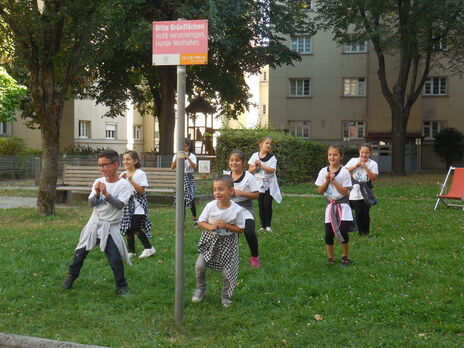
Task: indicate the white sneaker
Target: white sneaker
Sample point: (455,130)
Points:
(261,229)
(198,295)
(269,229)
(226,302)
(132,255)
(147,253)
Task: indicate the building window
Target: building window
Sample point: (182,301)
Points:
(3,128)
(435,86)
(264,76)
(431,128)
(301,44)
(137,132)
(354,87)
(353,130)
(299,128)
(111,131)
(264,109)
(84,129)
(356,47)
(299,88)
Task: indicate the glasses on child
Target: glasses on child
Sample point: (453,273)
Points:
(104,165)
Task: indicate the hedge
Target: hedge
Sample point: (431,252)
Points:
(298,160)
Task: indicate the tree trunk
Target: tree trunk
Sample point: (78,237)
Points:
(49,174)
(399,126)
(166,115)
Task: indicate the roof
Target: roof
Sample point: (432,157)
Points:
(199,104)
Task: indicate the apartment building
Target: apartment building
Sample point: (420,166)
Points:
(333,96)
(84,124)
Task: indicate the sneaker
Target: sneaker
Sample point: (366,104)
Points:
(226,302)
(131,255)
(147,252)
(261,229)
(345,261)
(198,295)
(330,261)
(68,282)
(195,224)
(254,262)
(269,229)
(122,290)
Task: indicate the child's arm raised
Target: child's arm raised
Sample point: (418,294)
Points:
(249,195)
(321,189)
(342,189)
(137,187)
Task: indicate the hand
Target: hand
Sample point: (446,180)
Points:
(331,176)
(102,188)
(364,165)
(97,188)
(327,177)
(214,226)
(238,192)
(123,175)
(221,223)
(128,176)
(187,154)
(257,163)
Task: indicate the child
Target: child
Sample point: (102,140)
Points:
(334,182)
(246,189)
(136,211)
(263,164)
(363,171)
(189,182)
(221,220)
(108,197)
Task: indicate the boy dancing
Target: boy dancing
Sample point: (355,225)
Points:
(108,197)
(221,220)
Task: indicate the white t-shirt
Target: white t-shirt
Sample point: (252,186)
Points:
(140,178)
(232,215)
(344,179)
(188,168)
(247,184)
(120,189)
(270,162)
(360,174)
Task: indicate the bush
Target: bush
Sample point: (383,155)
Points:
(349,153)
(449,145)
(297,159)
(82,150)
(12,146)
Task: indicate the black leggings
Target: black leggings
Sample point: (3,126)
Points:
(362,217)
(193,209)
(265,208)
(329,232)
(251,237)
(136,228)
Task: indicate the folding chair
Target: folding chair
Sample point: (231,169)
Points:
(456,190)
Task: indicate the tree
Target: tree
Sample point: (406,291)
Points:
(244,35)
(51,39)
(412,33)
(449,145)
(11,95)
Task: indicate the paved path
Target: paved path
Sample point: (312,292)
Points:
(17,341)
(7,202)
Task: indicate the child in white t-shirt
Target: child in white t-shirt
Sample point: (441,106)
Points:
(221,220)
(334,182)
(136,211)
(245,191)
(263,164)
(189,180)
(108,197)
(363,171)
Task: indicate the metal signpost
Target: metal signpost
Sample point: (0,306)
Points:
(180,43)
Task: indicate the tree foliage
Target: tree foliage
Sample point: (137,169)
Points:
(409,37)
(11,96)
(244,35)
(449,145)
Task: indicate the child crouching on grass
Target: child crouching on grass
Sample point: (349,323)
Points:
(108,197)
(221,220)
(334,182)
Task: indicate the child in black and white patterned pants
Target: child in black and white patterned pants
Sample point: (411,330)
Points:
(221,220)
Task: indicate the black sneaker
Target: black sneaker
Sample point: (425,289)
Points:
(122,290)
(68,282)
(195,224)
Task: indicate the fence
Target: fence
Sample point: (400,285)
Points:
(13,167)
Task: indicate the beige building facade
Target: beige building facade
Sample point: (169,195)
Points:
(333,95)
(84,124)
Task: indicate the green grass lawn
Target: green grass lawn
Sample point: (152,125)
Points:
(405,286)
